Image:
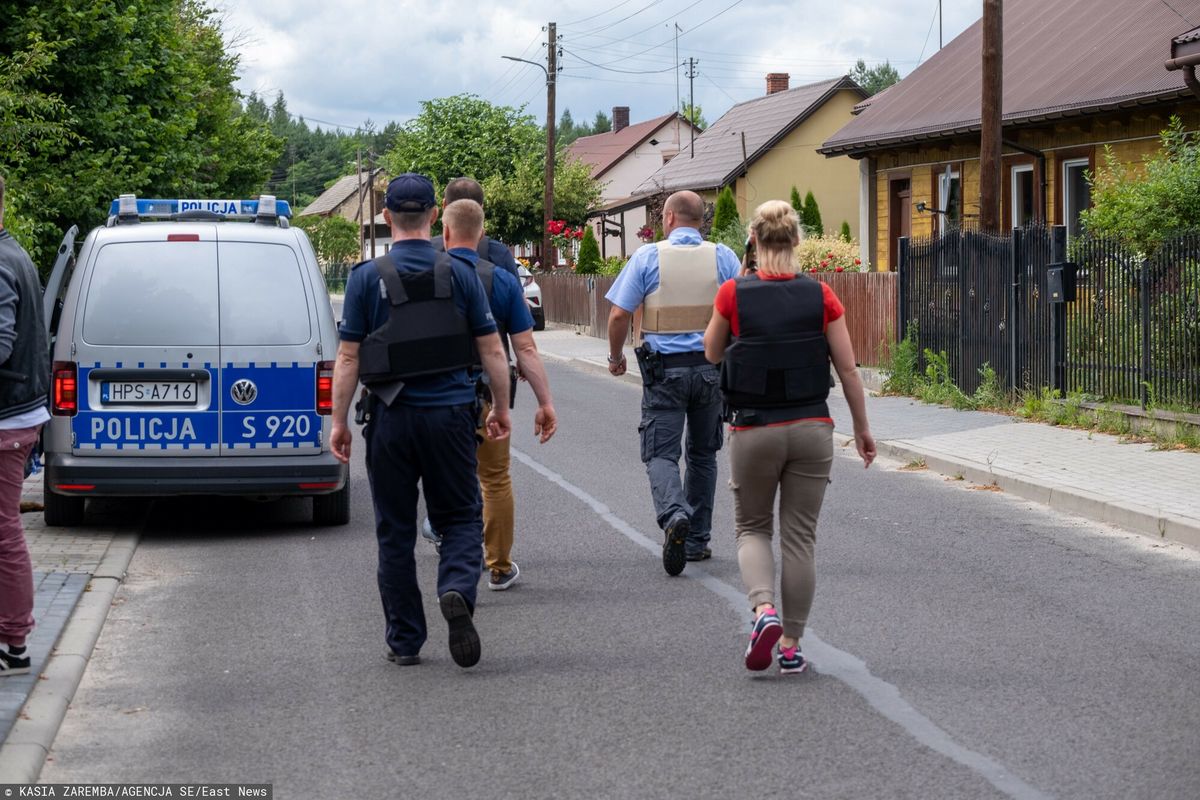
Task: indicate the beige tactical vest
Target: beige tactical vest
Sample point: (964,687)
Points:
(687,287)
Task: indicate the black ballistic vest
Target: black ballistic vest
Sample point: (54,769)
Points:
(425,333)
(777,368)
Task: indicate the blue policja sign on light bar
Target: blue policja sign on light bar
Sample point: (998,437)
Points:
(229,208)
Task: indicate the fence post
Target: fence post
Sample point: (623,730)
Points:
(1014,308)
(960,371)
(1144,313)
(1058,317)
(902,275)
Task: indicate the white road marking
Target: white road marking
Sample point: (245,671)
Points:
(846,667)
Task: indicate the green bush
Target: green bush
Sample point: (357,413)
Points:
(846,231)
(589,262)
(902,365)
(612,265)
(797,203)
(725,215)
(810,218)
(732,236)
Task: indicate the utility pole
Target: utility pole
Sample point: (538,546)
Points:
(548,210)
(692,102)
(371,192)
(992,116)
(358,161)
(678,142)
(939,24)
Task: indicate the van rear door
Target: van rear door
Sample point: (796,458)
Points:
(148,346)
(270,350)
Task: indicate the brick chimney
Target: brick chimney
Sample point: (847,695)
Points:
(620,118)
(777,82)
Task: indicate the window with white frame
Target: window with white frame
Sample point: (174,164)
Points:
(1022,196)
(949,199)
(1076,193)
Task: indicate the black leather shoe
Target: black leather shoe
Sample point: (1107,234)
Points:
(703,555)
(674,537)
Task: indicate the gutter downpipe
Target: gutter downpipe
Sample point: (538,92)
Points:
(1188,64)
(1043,211)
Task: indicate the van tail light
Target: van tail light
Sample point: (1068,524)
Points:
(535,301)
(324,387)
(66,389)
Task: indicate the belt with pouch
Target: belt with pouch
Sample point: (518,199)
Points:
(675,360)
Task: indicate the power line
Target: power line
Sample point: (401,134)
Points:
(626,71)
(601,14)
(936,6)
(651,5)
(697,26)
(512,66)
(727,94)
(1181,16)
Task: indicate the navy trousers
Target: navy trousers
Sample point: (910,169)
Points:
(436,446)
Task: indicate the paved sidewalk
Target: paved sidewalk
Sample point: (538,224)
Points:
(1088,474)
(63,563)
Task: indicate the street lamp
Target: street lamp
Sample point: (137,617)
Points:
(548,258)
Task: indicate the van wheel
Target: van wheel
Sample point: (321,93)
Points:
(332,509)
(63,511)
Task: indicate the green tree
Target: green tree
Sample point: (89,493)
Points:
(144,94)
(1141,206)
(515,199)
(797,203)
(334,238)
(589,253)
(874,80)
(693,114)
(601,123)
(463,135)
(810,218)
(846,231)
(725,216)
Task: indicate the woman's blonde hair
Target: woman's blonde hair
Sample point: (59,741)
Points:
(776,229)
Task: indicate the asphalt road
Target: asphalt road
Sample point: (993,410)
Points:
(966,645)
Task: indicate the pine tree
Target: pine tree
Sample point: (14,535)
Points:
(725,215)
(811,218)
(797,204)
(589,253)
(846,231)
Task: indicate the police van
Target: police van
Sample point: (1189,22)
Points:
(193,345)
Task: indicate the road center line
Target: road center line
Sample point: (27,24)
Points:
(846,667)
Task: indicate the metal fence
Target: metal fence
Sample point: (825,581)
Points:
(1131,335)
(335,276)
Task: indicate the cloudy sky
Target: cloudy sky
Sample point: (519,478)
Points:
(346,61)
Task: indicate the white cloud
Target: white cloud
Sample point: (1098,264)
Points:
(347,61)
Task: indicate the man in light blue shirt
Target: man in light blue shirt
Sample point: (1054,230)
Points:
(676,282)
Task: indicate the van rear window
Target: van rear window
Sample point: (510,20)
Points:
(262,295)
(153,293)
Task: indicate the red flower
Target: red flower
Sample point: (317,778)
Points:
(857,262)
(579,233)
(814,269)
(830,254)
(840,269)
(824,264)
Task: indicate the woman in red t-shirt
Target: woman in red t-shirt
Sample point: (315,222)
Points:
(785,443)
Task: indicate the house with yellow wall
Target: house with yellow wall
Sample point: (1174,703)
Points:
(1080,77)
(765,146)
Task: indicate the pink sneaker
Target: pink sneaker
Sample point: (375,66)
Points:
(763,636)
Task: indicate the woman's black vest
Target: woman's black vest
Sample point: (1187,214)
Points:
(425,334)
(777,368)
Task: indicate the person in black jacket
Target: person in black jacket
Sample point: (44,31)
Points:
(785,328)
(24,387)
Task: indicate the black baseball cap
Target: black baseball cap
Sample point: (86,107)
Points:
(410,192)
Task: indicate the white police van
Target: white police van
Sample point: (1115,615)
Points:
(193,345)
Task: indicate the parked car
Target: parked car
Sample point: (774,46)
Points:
(533,296)
(193,347)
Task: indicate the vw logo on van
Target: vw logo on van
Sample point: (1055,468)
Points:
(243,392)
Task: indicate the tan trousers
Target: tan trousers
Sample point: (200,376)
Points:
(794,459)
(498,506)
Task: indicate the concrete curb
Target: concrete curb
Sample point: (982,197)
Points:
(24,752)
(1067,499)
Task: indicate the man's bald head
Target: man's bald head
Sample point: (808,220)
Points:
(462,224)
(683,210)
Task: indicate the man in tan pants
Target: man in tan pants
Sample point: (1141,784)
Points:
(463,226)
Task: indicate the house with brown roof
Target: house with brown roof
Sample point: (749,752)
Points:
(1080,76)
(765,146)
(622,159)
(347,197)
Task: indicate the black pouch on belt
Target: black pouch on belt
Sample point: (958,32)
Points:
(650,365)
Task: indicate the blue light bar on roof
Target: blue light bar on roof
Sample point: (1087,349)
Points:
(230,208)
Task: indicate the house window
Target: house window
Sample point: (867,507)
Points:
(1077,194)
(949,200)
(1022,196)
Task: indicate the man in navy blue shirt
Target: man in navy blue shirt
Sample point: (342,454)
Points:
(422,424)
(493,250)
(463,224)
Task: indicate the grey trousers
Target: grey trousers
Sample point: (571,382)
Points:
(794,460)
(687,400)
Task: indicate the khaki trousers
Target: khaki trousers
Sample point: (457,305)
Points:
(794,460)
(498,505)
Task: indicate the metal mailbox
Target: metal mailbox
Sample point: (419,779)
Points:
(1060,282)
